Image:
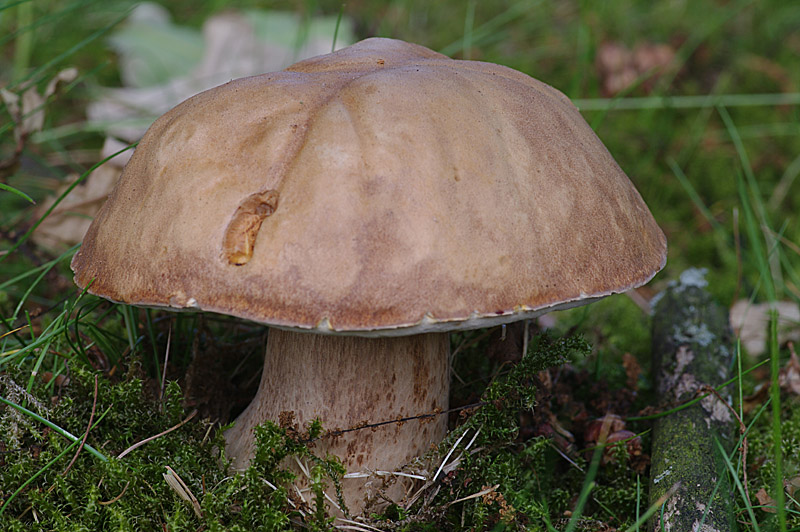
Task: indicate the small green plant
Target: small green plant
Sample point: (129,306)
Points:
(487,477)
(129,492)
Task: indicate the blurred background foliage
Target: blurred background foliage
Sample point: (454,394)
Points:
(583,48)
(698,101)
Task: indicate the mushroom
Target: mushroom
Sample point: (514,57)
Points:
(363,204)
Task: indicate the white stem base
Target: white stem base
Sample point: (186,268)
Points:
(348,381)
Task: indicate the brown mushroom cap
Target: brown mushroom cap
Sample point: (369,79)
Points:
(381,189)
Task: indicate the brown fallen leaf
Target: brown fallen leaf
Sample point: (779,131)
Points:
(27,109)
(750,322)
(614,65)
(767,503)
(792,485)
(597,430)
(652,60)
(789,376)
(632,370)
(235,44)
(633,445)
(620,68)
(69,221)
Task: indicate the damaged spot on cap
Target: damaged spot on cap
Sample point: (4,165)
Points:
(240,235)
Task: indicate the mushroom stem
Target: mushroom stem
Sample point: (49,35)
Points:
(347,381)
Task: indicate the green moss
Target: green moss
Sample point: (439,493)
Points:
(760,452)
(614,326)
(520,472)
(131,493)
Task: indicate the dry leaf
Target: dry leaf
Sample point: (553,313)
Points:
(176,483)
(767,503)
(27,110)
(70,220)
(614,65)
(233,45)
(792,485)
(620,68)
(597,430)
(750,323)
(789,376)
(632,370)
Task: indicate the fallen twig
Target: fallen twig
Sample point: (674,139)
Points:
(692,353)
(118,497)
(86,433)
(151,438)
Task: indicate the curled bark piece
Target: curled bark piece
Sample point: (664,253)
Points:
(691,349)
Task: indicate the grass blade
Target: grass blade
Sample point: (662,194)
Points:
(37,75)
(687,102)
(56,428)
(66,192)
(50,464)
(19,193)
(738,484)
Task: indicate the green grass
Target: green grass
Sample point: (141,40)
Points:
(713,149)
